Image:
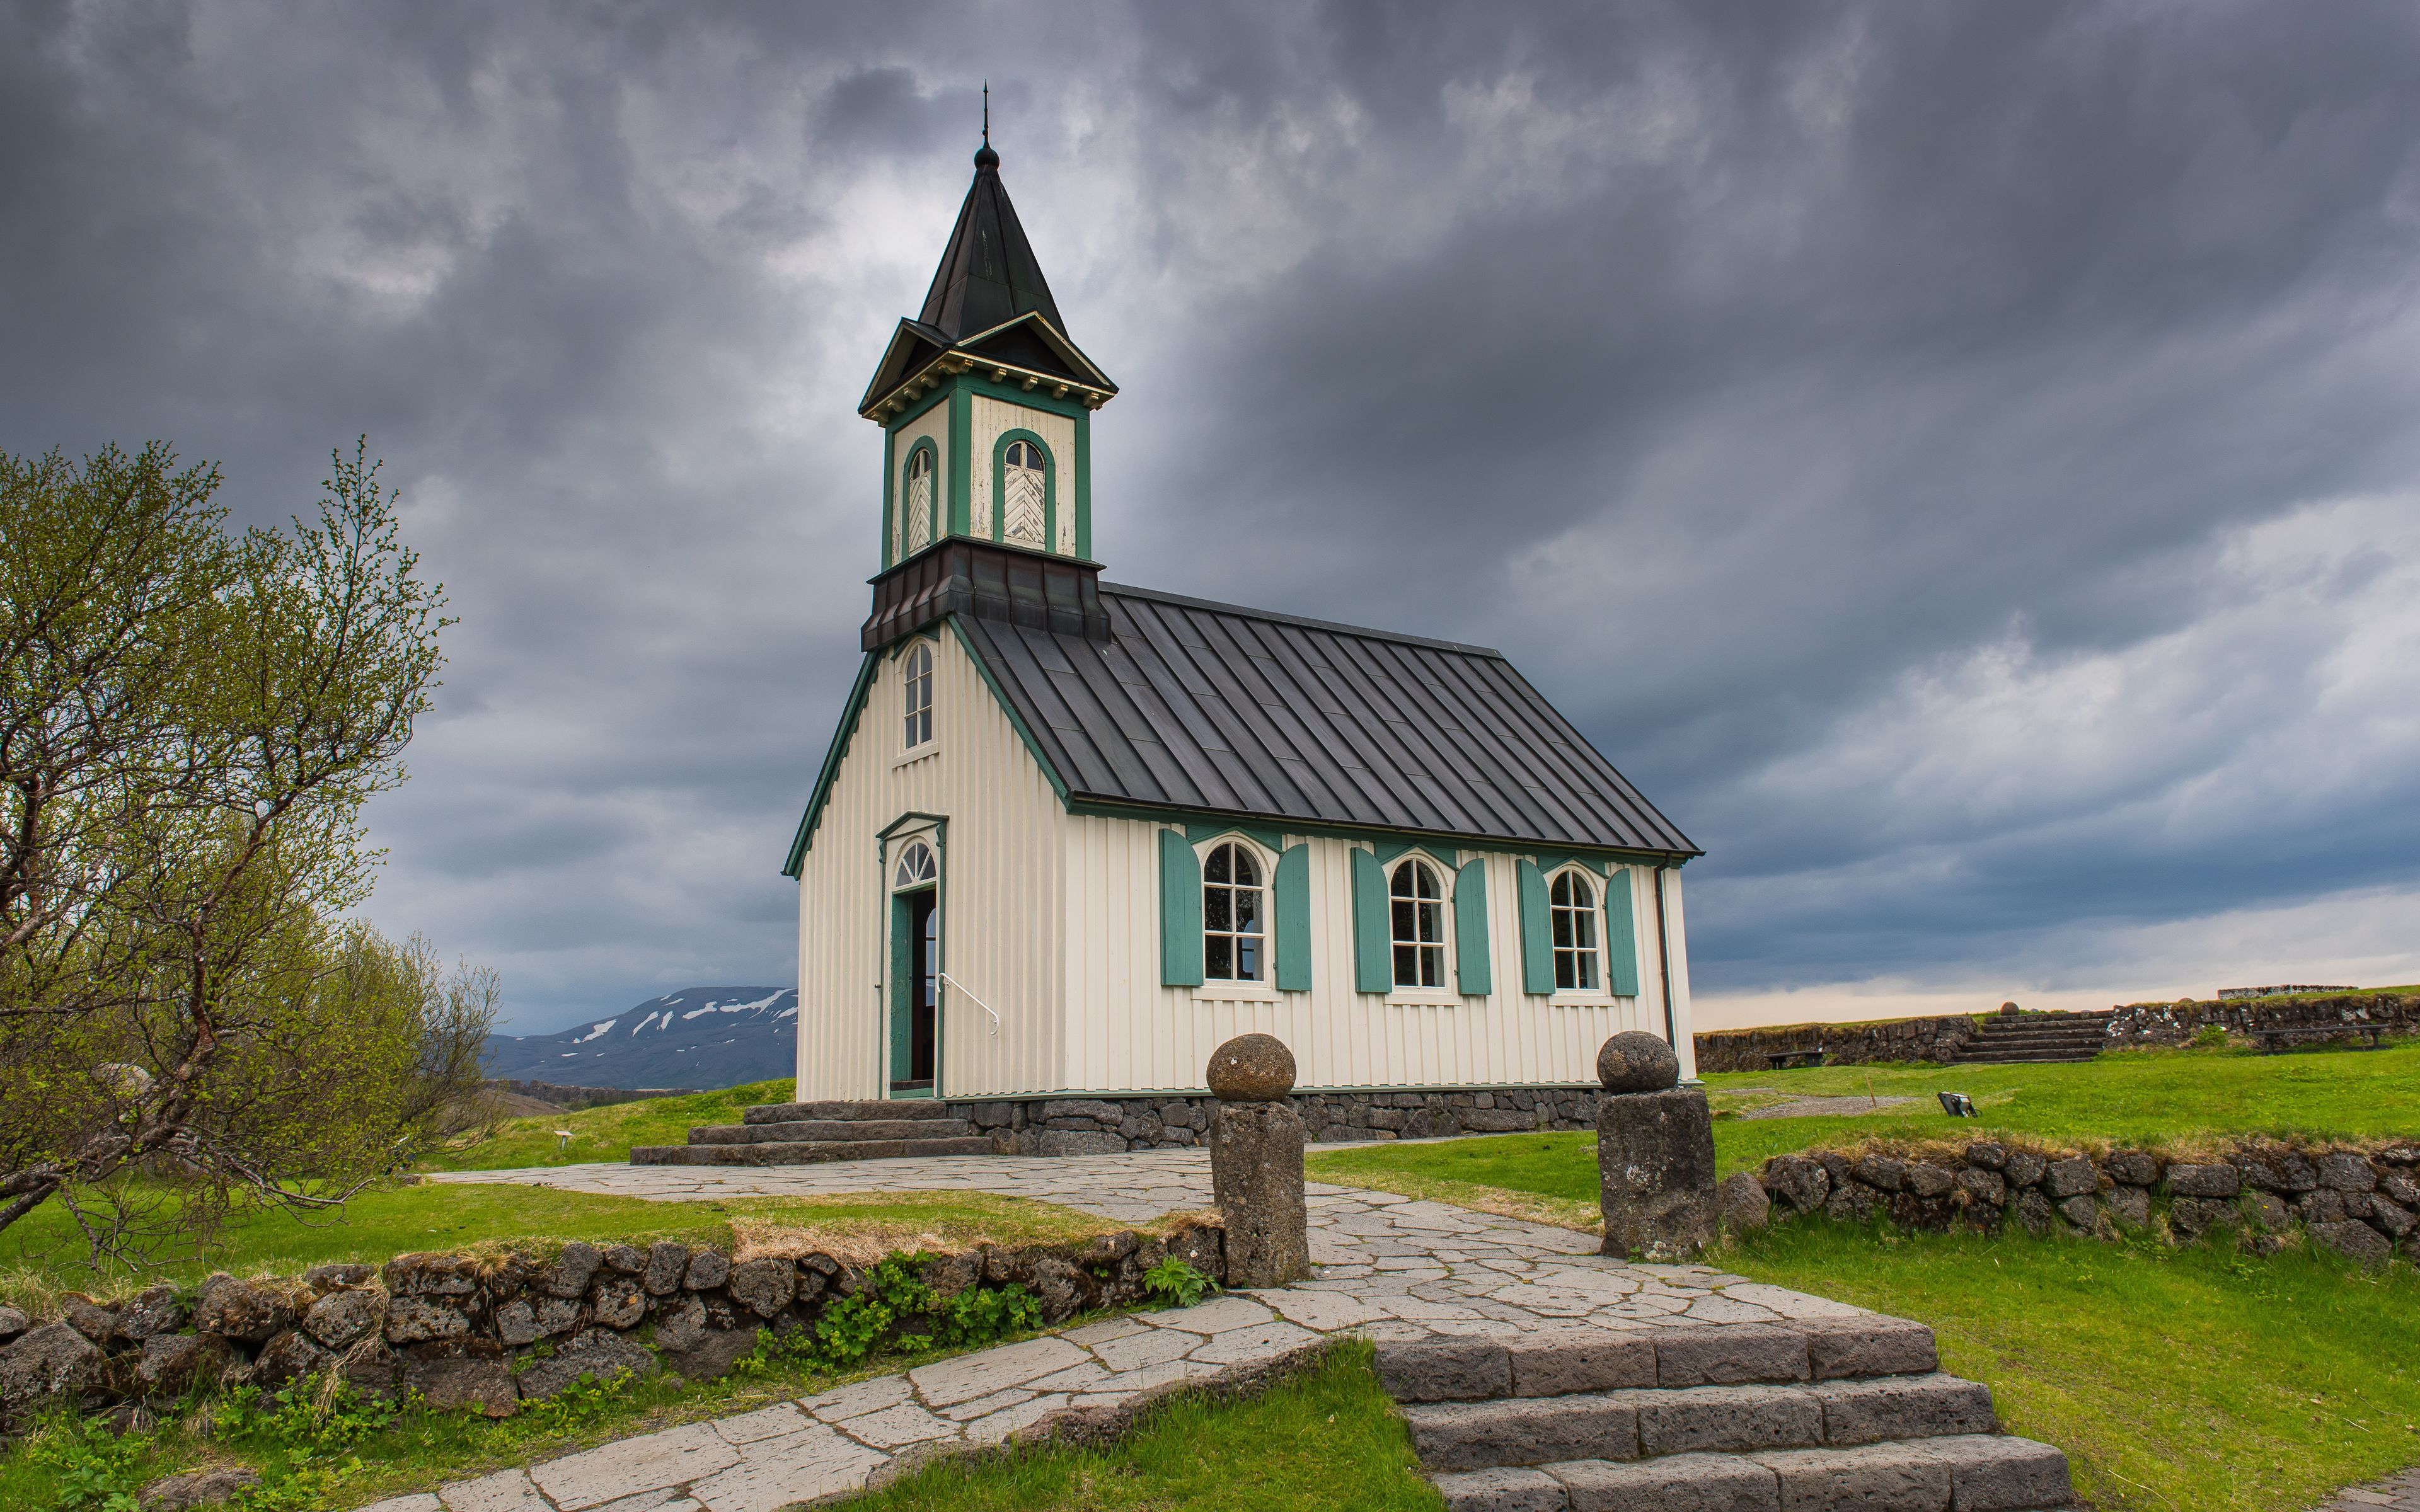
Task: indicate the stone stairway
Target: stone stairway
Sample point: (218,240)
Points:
(807,1134)
(1742,1417)
(2006,1038)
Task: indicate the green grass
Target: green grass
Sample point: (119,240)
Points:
(2193,1380)
(1326,1439)
(603,1134)
(42,1254)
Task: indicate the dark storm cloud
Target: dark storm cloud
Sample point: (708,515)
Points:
(1956,458)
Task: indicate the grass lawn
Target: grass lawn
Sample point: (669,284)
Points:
(603,1134)
(42,1253)
(2193,1380)
(1327,1441)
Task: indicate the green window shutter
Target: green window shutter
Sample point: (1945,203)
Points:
(1374,958)
(1293,920)
(1471,962)
(1620,936)
(1180,911)
(1537,933)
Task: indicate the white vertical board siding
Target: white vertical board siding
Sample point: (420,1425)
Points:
(1684,1037)
(993,418)
(1001,897)
(1127,1032)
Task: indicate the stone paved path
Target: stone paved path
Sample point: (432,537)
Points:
(1388,1267)
(2401,1494)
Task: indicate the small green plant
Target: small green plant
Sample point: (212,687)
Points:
(303,1484)
(2210,1037)
(96,1470)
(314,1413)
(1176,1280)
(575,1404)
(893,1306)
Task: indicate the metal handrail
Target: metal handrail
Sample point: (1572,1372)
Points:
(979,1002)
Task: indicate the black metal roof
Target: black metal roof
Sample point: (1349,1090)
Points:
(987,276)
(1218,709)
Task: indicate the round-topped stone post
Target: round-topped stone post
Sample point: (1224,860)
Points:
(1256,1161)
(1654,1153)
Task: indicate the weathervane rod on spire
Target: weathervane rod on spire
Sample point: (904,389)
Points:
(986,113)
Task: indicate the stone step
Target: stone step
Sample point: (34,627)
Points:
(1560,1362)
(1972,1473)
(903,1107)
(1656,1422)
(816,1131)
(1974,1058)
(804,1152)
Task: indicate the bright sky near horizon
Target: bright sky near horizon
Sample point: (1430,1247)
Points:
(1959,461)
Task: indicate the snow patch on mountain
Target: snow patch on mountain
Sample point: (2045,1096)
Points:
(702,1036)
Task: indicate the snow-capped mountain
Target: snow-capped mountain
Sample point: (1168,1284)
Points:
(702,1036)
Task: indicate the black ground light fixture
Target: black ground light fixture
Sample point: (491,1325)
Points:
(1957,1104)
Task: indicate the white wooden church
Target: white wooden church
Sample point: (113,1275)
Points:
(1070,835)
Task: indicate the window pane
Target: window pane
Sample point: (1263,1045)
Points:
(1246,874)
(1215,912)
(1216,870)
(1566,969)
(1583,896)
(1428,883)
(1401,885)
(1407,965)
(1403,924)
(1585,930)
(1563,890)
(1563,929)
(1248,959)
(1432,968)
(1432,924)
(1587,968)
(1218,957)
(1247,910)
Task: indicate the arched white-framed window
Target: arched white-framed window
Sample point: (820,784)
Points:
(1234,915)
(1415,924)
(1024,494)
(916,695)
(918,496)
(1571,903)
(916,869)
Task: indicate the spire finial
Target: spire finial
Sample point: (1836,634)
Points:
(984,156)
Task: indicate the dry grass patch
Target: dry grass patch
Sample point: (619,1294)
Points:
(860,1227)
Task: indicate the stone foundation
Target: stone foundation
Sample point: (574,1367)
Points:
(1110,1125)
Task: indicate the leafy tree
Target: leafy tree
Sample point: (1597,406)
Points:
(191,721)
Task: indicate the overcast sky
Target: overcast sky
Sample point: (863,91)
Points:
(1962,461)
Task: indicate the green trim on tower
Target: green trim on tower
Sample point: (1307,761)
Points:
(962,412)
(1180,911)
(1084,486)
(1293,892)
(1620,938)
(1030,398)
(1552,861)
(834,754)
(1537,932)
(890,482)
(1473,973)
(1374,956)
(1050,487)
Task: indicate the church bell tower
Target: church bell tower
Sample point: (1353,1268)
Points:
(985,408)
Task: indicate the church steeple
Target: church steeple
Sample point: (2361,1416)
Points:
(984,403)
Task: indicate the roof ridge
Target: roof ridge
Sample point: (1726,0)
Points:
(1159,596)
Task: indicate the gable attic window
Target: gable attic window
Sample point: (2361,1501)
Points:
(1416,910)
(916,684)
(1572,906)
(1234,915)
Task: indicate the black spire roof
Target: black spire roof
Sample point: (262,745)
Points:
(987,276)
(990,308)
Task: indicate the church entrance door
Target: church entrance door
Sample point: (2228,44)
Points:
(915,996)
